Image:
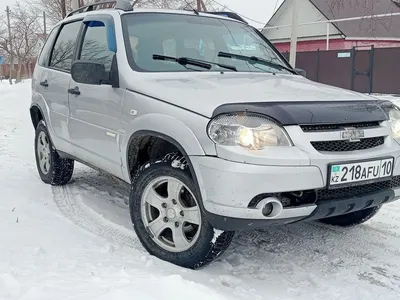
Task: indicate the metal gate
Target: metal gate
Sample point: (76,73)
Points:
(362,70)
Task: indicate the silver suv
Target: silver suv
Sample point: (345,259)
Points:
(210,125)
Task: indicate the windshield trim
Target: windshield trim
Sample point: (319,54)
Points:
(136,68)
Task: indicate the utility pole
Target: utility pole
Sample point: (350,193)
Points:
(63,8)
(293,41)
(199,5)
(44,25)
(11,43)
(74,4)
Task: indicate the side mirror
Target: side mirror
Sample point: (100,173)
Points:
(301,72)
(89,72)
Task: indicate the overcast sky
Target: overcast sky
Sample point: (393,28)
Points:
(258,10)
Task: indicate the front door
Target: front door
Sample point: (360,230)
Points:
(95,110)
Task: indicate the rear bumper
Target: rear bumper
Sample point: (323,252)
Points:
(318,211)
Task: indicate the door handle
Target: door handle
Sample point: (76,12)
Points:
(74,91)
(44,83)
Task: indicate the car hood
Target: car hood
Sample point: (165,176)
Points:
(204,92)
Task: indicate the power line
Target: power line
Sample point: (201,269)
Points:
(255,21)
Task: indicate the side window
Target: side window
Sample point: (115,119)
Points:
(63,51)
(45,54)
(95,46)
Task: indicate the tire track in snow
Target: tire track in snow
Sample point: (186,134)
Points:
(303,251)
(69,201)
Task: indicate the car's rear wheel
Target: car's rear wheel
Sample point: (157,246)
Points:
(352,219)
(168,219)
(52,168)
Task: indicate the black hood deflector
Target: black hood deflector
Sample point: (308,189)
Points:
(315,112)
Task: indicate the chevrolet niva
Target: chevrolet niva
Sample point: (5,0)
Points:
(209,124)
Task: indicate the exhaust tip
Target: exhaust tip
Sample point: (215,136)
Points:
(271,207)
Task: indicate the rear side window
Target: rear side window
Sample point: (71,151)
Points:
(95,46)
(45,54)
(63,51)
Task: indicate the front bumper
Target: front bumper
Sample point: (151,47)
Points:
(227,188)
(322,210)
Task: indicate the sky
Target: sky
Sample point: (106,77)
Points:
(258,10)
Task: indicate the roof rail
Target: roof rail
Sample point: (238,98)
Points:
(228,14)
(116,4)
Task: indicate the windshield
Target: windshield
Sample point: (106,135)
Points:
(196,37)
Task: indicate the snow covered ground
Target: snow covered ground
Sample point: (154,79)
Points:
(76,242)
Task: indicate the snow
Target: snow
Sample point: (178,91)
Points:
(216,235)
(76,242)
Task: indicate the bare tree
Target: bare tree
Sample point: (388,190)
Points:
(366,8)
(172,4)
(5,43)
(26,27)
(56,10)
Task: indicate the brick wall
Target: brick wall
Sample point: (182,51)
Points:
(5,70)
(335,44)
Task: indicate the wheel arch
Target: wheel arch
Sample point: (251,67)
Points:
(139,136)
(36,115)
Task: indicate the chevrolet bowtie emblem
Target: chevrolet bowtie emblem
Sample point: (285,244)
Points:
(352,134)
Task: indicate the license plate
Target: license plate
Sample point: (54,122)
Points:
(360,171)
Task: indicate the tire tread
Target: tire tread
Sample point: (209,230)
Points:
(62,169)
(191,259)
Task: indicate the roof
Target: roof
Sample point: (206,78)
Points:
(388,27)
(126,7)
(219,15)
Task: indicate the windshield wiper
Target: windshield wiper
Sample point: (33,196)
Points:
(192,61)
(255,59)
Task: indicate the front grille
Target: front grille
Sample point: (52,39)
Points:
(338,146)
(329,127)
(326,194)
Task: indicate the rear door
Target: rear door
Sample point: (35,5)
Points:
(95,116)
(53,80)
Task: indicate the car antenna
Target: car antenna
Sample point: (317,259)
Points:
(195,11)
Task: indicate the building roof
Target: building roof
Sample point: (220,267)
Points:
(388,27)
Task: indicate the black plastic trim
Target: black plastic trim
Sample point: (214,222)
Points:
(324,209)
(332,208)
(237,224)
(30,112)
(171,140)
(313,112)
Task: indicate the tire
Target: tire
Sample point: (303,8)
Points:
(200,244)
(352,219)
(55,170)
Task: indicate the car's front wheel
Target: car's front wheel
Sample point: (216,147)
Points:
(352,219)
(168,219)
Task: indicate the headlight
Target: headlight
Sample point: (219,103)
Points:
(247,130)
(394,115)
